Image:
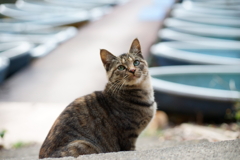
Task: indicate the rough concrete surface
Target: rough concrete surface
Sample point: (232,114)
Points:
(150,149)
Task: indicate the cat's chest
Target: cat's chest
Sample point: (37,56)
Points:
(133,118)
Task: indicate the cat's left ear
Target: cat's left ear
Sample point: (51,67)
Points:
(136,47)
(106,57)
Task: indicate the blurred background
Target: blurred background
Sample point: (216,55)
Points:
(49,56)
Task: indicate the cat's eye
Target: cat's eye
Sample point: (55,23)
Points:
(121,68)
(136,63)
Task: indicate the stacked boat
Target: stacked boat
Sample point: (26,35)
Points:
(196,61)
(31,29)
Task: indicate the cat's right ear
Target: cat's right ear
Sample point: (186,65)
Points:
(106,57)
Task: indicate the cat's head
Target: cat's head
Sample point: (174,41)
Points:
(127,69)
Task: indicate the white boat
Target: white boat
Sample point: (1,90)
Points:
(187,53)
(226,4)
(88,4)
(216,2)
(94,10)
(208,20)
(208,11)
(210,31)
(14,25)
(44,40)
(177,12)
(45,18)
(168,34)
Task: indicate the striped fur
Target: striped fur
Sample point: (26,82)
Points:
(108,120)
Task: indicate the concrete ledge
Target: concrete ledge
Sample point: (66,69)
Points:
(27,122)
(175,151)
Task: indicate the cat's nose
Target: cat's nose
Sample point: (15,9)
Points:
(132,70)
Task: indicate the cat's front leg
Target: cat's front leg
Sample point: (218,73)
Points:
(133,148)
(79,147)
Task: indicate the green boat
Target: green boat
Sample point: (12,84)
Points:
(209,90)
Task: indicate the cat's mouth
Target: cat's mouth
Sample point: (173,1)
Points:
(134,76)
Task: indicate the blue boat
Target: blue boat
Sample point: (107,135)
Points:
(4,63)
(190,53)
(18,54)
(209,90)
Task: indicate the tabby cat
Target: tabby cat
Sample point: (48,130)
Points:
(108,120)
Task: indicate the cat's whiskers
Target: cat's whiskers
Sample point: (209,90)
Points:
(122,85)
(116,88)
(113,85)
(124,81)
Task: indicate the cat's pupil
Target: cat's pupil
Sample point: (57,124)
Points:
(121,67)
(136,63)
